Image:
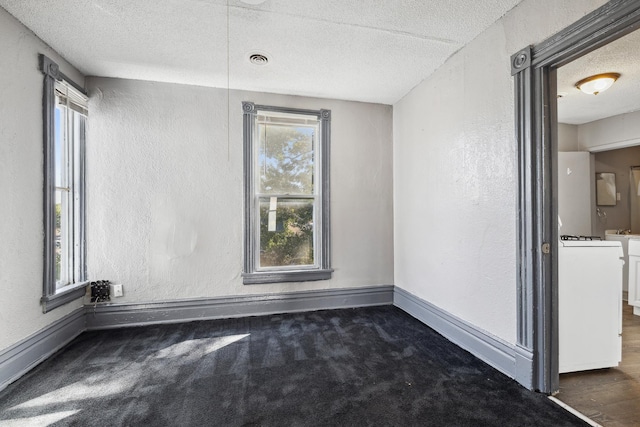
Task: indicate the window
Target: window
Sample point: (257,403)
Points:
(286,189)
(65,116)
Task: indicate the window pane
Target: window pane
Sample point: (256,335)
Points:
(285,159)
(62,234)
(67,140)
(60,239)
(286,232)
(59,160)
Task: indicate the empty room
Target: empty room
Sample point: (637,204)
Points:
(286,212)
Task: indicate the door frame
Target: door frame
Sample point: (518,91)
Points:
(534,70)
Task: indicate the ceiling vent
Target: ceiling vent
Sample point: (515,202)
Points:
(258,59)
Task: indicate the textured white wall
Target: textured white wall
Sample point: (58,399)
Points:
(165,190)
(455,173)
(21,179)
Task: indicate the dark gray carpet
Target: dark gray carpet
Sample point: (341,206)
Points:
(354,367)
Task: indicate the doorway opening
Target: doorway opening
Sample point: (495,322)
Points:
(535,70)
(598,153)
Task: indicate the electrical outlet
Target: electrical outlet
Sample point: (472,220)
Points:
(116,290)
(100,290)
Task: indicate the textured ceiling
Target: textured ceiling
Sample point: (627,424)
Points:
(621,56)
(366,50)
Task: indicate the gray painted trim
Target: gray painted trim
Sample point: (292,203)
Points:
(524,365)
(250,275)
(520,60)
(50,299)
(288,276)
(249,110)
(600,27)
(536,119)
(105,316)
(51,69)
(82,202)
(49,302)
(48,67)
(536,226)
(23,356)
(51,72)
(325,192)
(488,348)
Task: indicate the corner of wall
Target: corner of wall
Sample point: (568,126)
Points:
(23,356)
(488,348)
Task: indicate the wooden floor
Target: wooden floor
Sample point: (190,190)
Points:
(610,397)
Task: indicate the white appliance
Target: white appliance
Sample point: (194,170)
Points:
(624,239)
(589,304)
(634,275)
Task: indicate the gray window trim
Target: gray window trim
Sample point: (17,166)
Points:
(52,298)
(250,275)
(534,70)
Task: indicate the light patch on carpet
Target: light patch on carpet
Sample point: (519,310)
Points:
(198,347)
(38,421)
(88,389)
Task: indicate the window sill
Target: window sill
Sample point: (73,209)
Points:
(261,277)
(70,293)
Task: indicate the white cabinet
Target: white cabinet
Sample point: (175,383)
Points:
(624,239)
(589,304)
(634,275)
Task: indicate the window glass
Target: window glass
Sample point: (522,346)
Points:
(69,120)
(286,194)
(286,232)
(59,241)
(285,189)
(59,123)
(286,158)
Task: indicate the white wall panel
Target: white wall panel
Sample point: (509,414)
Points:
(455,172)
(21,181)
(165,190)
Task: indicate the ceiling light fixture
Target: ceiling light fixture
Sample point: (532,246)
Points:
(593,85)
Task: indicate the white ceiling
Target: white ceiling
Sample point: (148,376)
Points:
(621,56)
(366,50)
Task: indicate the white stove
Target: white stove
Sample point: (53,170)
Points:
(589,243)
(589,304)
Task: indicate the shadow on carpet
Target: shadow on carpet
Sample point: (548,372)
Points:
(372,366)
